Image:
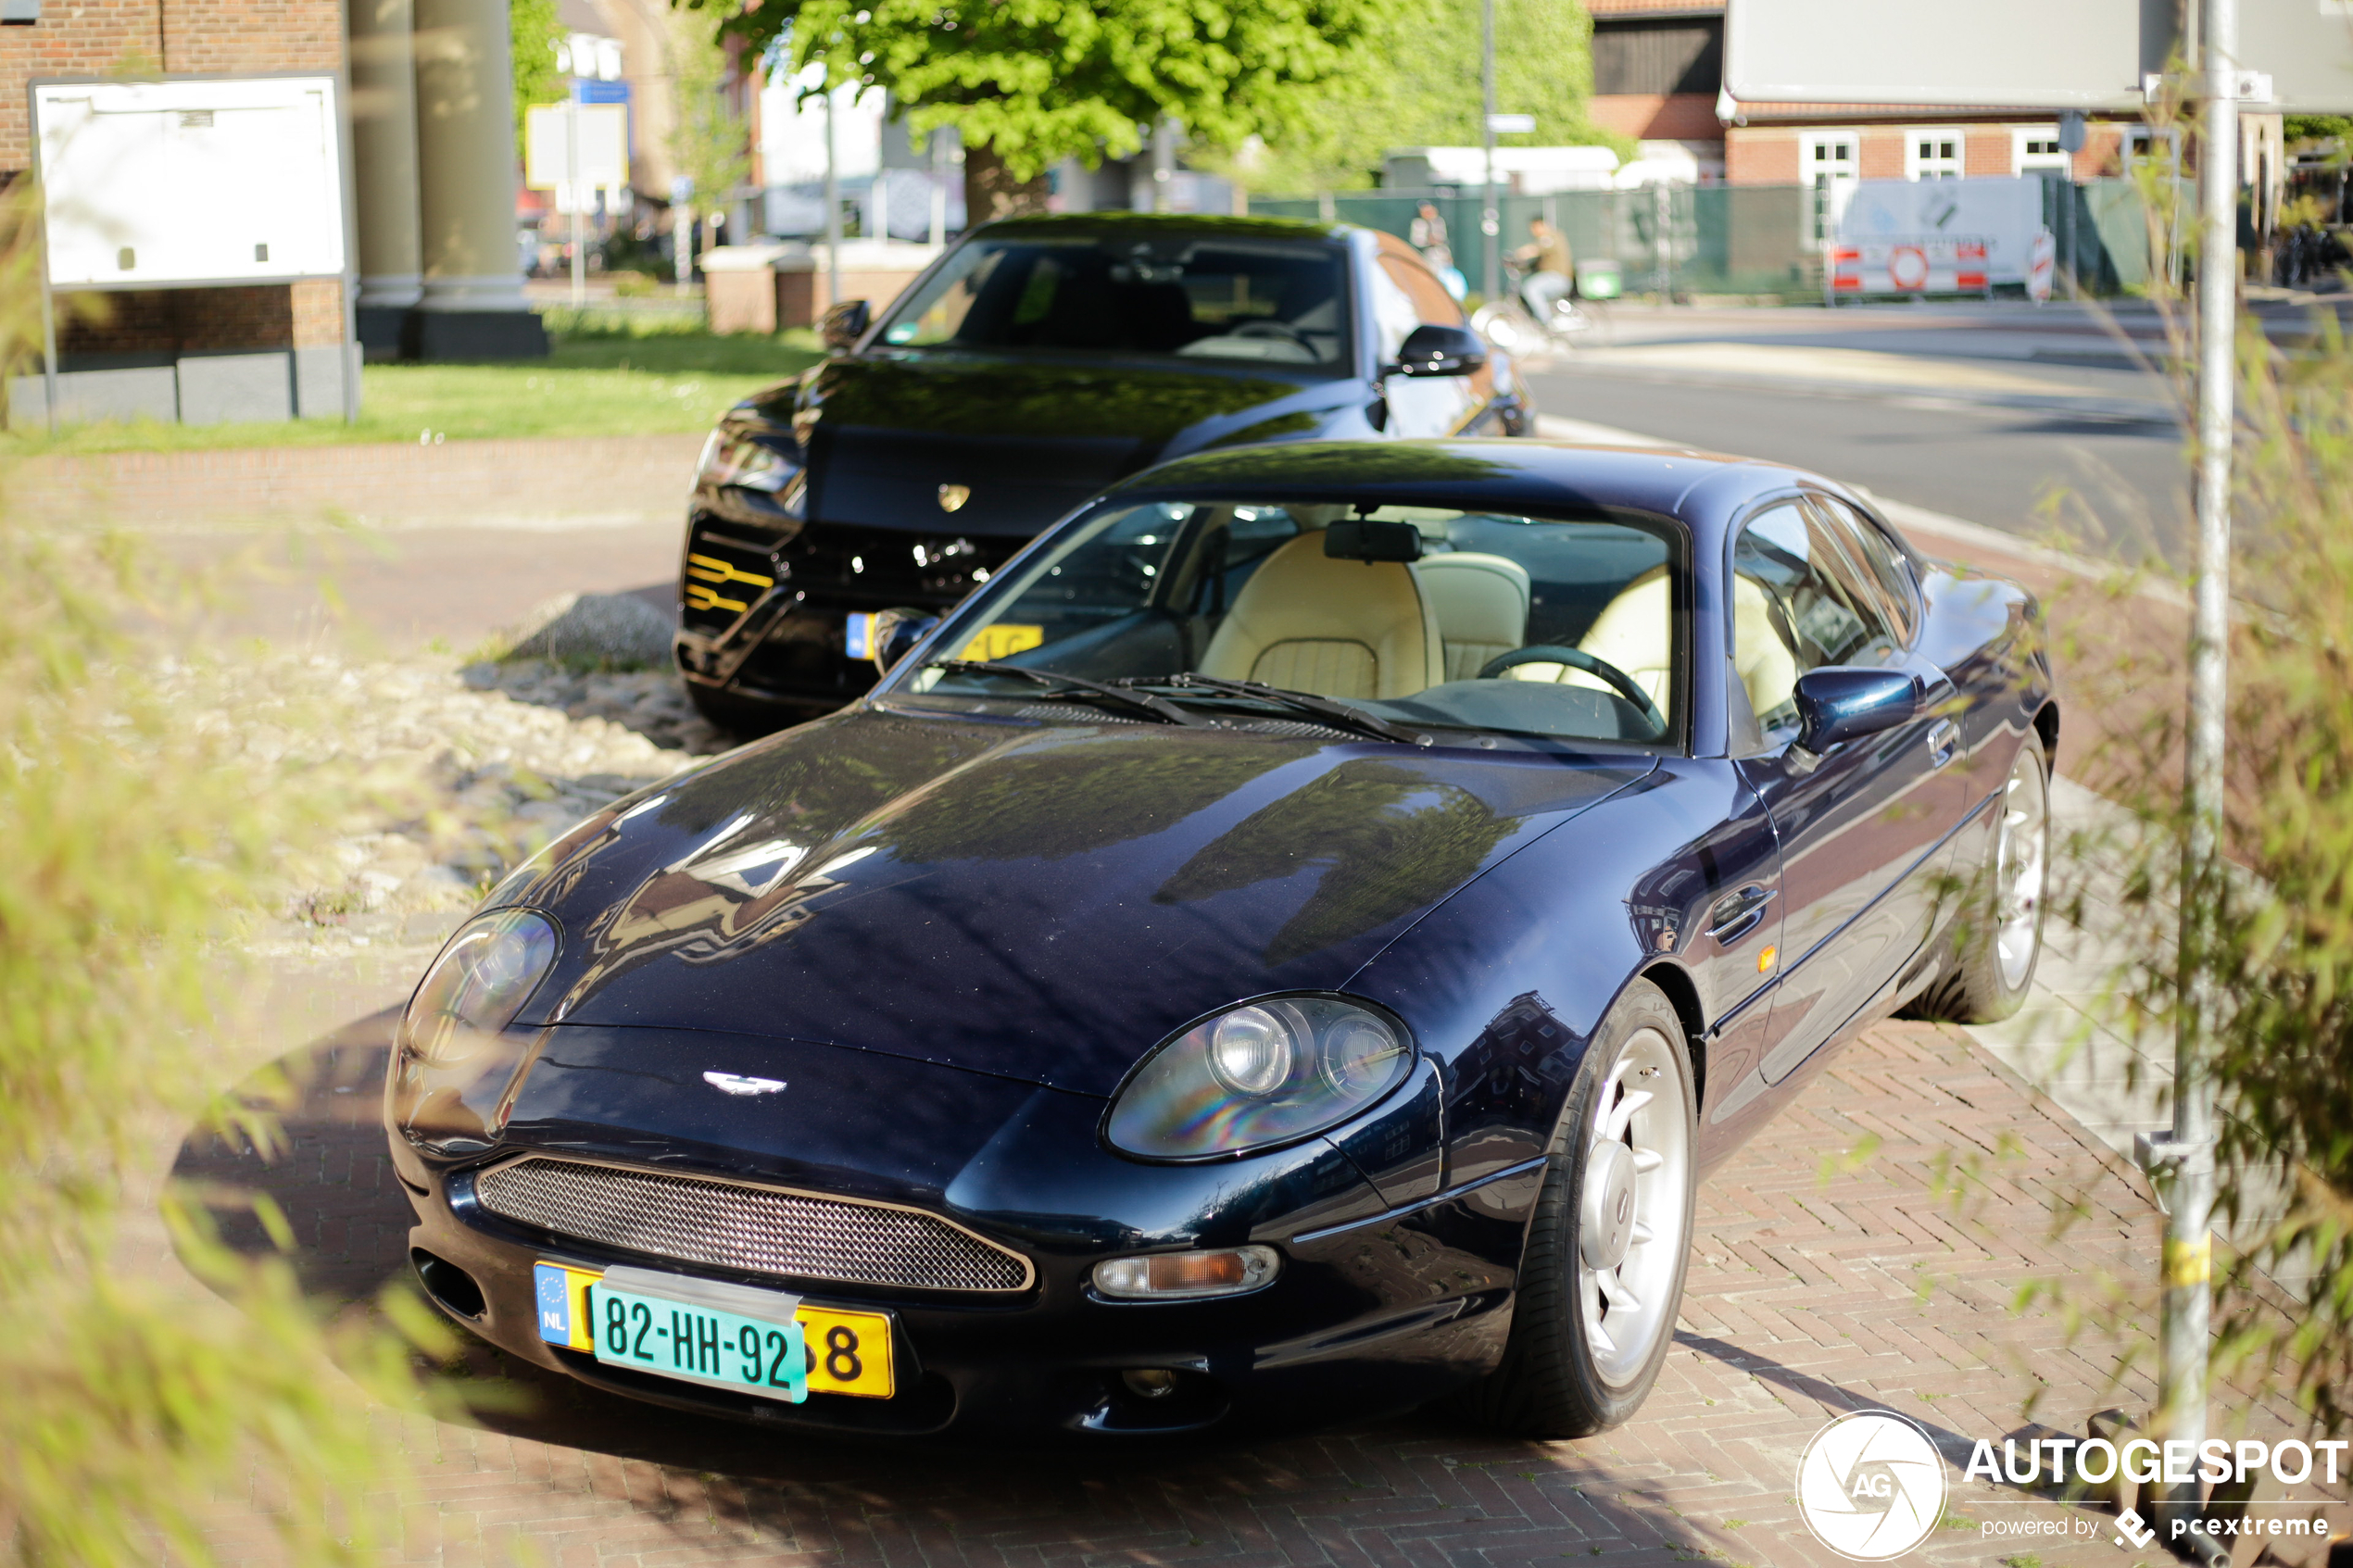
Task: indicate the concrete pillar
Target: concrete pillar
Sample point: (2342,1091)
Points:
(472,304)
(384,161)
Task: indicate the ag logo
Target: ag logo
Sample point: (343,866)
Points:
(1871,1485)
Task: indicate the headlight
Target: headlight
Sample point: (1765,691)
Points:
(476,986)
(1258,1076)
(730,457)
(1178,1276)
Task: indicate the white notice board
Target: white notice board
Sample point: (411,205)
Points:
(604,145)
(149,184)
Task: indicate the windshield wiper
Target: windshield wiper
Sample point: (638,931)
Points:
(1073,687)
(1335,713)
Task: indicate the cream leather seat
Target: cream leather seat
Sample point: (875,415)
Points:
(1481,604)
(1636,631)
(1337,628)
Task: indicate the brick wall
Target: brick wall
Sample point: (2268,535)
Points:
(1661,117)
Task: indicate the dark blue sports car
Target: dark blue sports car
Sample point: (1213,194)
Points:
(1286,949)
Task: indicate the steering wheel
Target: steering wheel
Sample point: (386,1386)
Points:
(1578,659)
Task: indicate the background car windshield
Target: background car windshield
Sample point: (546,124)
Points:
(1193,298)
(1511,623)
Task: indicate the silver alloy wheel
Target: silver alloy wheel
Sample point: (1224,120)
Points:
(1630,1209)
(2021,862)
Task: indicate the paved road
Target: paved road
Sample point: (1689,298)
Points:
(1987,415)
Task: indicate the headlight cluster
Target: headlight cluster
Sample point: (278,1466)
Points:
(730,457)
(476,986)
(1257,1076)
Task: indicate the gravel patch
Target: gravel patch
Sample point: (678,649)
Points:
(464,771)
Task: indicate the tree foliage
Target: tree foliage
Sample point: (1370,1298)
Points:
(1420,87)
(709,143)
(1034,82)
(533,33)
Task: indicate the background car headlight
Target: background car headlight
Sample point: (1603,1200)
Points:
(730,457)
(476,986)
(1258,1076)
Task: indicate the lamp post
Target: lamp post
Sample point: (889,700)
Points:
(1491,220)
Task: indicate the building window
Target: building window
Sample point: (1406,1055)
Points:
(2035,147)
(1829,163)
(1934,152)
(1657,58)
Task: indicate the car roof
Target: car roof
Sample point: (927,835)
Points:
(1147,224)
(1704,490)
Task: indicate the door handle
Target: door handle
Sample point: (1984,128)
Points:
(1737,914)
(1942,736)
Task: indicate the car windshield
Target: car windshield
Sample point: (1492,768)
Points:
(1188,298)
(1424,618)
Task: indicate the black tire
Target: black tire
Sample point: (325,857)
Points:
(1985,978)
(1550,1383)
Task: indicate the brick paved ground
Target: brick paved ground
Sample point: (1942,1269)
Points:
(1810,1296)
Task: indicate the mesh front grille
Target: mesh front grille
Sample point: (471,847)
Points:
(752,1228)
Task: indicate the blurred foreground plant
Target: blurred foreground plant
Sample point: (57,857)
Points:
(2274,934)
(139,1411)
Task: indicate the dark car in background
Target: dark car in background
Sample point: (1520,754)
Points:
(1038,361)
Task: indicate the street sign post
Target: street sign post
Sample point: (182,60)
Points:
(573,148)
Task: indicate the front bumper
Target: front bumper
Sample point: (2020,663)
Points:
(1369,1315)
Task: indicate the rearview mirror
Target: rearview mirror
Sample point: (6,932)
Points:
(894,632)
(842,326)
(1441,351)
(1365,540)
(1841,703)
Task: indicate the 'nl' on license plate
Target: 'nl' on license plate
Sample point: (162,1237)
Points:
(762,1342)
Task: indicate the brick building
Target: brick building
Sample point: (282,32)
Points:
(428,125)
(1658,74)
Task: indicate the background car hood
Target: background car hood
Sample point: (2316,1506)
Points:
(1044,903)
(1028,439)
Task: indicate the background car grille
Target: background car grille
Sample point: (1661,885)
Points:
(758,1229)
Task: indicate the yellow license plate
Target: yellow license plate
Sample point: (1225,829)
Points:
(847,1352)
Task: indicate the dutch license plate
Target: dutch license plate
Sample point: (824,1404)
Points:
(1000,641)
(763,1342)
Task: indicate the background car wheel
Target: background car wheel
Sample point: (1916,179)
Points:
(1995,950)
(1602,1276)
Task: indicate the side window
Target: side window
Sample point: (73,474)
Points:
(1797,606)
(1393,312)
(1433,306)
(1880,561)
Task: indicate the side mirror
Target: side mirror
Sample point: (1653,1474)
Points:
(842,326)
(1841,703)
(1441,351)
(893,632)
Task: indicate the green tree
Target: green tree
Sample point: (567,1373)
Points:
(1029,82)
(708,144)
(533,33)
(1425,93)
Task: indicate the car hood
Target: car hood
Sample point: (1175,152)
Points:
(1042,902)
(1022,441)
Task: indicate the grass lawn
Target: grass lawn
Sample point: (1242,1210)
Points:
(605,380)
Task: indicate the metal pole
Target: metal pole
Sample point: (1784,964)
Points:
(48,332)
(2188,1256)
(833,208)
(939,186)
(572,179)
(1164,162)
(1491,220)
